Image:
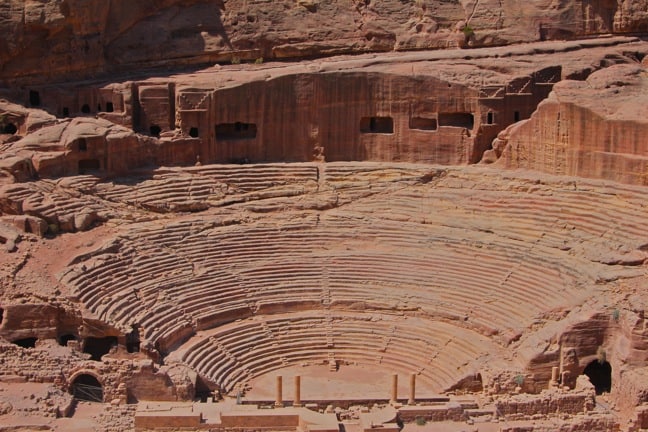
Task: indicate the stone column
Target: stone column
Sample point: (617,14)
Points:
(279,401)
(554,377)
(412,395)
(394,389)
(297,401)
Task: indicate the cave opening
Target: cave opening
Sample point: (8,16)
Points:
(516,116)
(110,107)
(83,145)
(34,98)
(489,118)
(1,315)
(155,130)
(87,388)
(29,342)
(600,375)
(64,339)
(66,112)
(10,129)
(98,347)
(133,340)
(384,125)
(193,132)
(85,109)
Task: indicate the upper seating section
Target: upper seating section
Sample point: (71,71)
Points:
(493,253)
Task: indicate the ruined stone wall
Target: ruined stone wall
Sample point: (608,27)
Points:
(546,403)
(73,38)
(37,320)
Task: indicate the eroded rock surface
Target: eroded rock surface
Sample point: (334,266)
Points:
(47,39)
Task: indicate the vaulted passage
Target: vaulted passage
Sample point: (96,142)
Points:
(87,388)
(236,131)
(600,374)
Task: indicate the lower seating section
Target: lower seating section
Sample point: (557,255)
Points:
(440,353)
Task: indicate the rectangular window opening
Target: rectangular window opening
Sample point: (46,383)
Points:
(464,120)
(383,125)
(236,131)
(423,123)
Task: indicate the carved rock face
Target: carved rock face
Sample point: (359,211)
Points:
(77,38)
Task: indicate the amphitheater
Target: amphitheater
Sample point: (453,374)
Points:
(447,233)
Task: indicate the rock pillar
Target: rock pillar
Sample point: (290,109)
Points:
(297,400)
(279,401)
(412,393)
(394,389)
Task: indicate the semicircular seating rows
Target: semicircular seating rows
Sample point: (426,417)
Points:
(491,262)
(440,353)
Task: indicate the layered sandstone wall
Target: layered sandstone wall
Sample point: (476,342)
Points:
(51,39)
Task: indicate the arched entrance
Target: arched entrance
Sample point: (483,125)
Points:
(599,374)
(86,387)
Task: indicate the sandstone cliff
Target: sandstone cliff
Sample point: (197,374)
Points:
(593,128)
(52,39)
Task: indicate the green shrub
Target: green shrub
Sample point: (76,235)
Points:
(468,31)
(420,421)
(519,380)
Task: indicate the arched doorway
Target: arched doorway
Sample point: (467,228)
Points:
(86,387)
(599,374)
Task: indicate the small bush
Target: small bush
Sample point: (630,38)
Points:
(259,60)
(420,421)
(519,380)
(468,31)
(236,60)
(616,314)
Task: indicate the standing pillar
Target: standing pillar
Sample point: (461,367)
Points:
(279,401)
(394,389)
(554,376)
(297,401)
(412,395)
